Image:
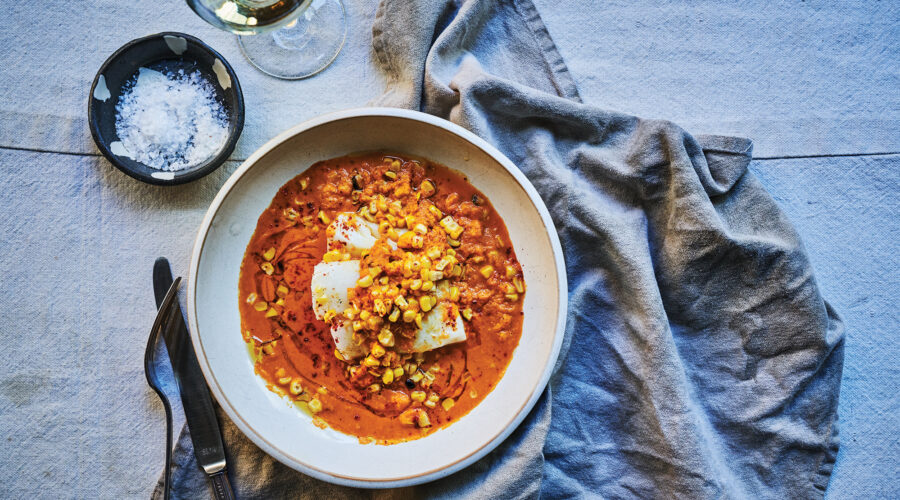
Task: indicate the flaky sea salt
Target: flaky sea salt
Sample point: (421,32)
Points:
(170,121)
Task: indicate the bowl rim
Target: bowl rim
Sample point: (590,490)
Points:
(559,330)
(203,169)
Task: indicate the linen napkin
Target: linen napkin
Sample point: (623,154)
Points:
(700,359)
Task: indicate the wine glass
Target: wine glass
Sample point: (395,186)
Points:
(290,39)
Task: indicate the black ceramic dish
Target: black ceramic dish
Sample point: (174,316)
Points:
(167,51)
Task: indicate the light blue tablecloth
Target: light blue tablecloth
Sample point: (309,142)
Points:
(814,82)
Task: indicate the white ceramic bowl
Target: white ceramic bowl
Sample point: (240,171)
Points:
(288,434)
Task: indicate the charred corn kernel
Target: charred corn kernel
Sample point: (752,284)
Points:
(332,256)
(296,387)
(425,303)
(401,302)
(269,254)
(388,377)
(349,313)
(417,241)
(338,355)
(447,404)
(510,271)
(267,268)
(419,320)
(443,263)
(398,372)
(291,214)
(427,188)
(268,349)
(422,419)
(395,315)
(365,282)
(417,396)
(315,405)
(519,284)
(427,285)
(452,242)
(377,350)
(374,322)
(409,315)
(418,229)
(454,293)
(435,211)
(261,306)
(512,297)
(271,313)
(280,373)
(415,284)
(285,380)
(251,298)
(282,291)
(487,271)
(329,315)
(357,326)
(371,362)
(451,227)
(380,308)
(390,174)
(374,388)
(324,218)
(386,338)
(383,226)
(354,196)
(467,313)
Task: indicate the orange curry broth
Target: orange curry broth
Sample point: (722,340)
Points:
(294,350)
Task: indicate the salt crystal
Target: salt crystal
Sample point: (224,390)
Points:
(170,121)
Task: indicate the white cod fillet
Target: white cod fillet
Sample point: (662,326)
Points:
(441,326)
(332,280)
(351,233)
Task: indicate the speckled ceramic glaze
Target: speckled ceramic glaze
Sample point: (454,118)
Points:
(285,432)
(163,52)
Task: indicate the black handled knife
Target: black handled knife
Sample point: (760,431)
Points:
(198,405)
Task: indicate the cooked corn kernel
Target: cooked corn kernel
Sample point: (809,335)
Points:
(371,362)
(365,282)
(427,188)
(373,207)
(390,175)
(487,271)
(296,387)
(267,268)
(268,349)
(315,405)
(364,315)
(251,298)
(409,315)
(303,183)
(429,403)
(377,350)
(512,296)
(398,372)
(448,403)
(374,322)
(422,419)
(454,293)
(324,218)
(386,337)
(435,211)
(349,313)
(357,326)
(269,254)
(329,315)
(395,315)
(338,355)
(261,306)
(388,377)
(271,313)
(467,313)
(452,242)
(374,388)
(451,227)
(281,291)
(417,396)
(510,271)
(419,320)
(425,303)
(427,285)
(284,380)
(519,284)
(420,229)
(291,214)
(332,256)
(280,373)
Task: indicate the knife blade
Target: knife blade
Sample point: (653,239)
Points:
(195,398)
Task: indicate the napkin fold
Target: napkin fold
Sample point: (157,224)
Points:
(700,359)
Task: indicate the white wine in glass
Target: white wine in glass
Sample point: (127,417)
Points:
(288,39)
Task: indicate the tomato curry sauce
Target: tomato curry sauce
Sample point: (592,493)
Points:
(439,248)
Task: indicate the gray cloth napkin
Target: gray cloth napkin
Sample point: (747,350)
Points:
(700,360)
